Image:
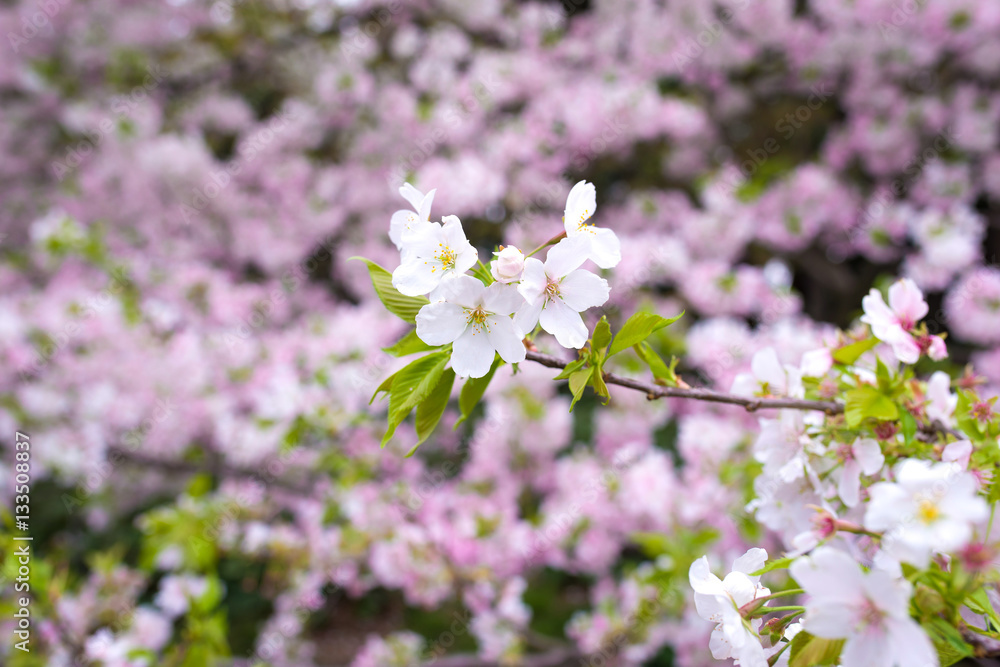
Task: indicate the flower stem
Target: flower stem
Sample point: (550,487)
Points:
(555,239)
(797,608)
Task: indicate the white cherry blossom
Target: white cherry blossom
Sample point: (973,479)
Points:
(768,377)
(557,292)
(431,254)
(596,243)
(864,456)
(719,601)
(406,220)
(476,319)
(870,610)
(931,507)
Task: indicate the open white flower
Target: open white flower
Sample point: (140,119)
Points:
(477,320)
(719,601)
(557,292)
(931,507)
(431,254)
(869,610)
(405,220)
(597,244)
(864,456)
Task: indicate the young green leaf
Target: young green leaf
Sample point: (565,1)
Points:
(411,386)
(430,410)
(473,390)
(400,305)
(779,564)
(661,371)
(408,344)
(637,329)
(602,335)
(810,651)
(577,383)
(948,641)
(570,368)
(867,401)
(848,354)
(600,388)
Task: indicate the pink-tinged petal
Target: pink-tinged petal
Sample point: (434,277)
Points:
(564,323)
(465,291)
(878,315)
(817,363)
(582,289)
(411,195)
(505,337)
(890,595)
(937,350)
(533,280)
(904,346)
(527,317)
(566,256)
(830,621)
(869,454)
(849,484)
(958,452)
(472,354)
(441,322)
(907,301)
(502,299)
(424,210)
(869,649)
(911,645)
(580,205)
(414,277)
(751,561)
(829,575)
(605,248)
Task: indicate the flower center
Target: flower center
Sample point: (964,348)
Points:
(582,226)
(927,511)
(477,318)
(551,288)
(871,616)
(446,256)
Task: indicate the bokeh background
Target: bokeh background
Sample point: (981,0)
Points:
(190,350)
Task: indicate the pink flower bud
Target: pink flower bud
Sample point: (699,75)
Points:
(508,265)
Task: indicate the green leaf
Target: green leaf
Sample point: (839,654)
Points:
(602,335)
(947,641)
(779,564)
(430,410)
(577,383)
(600,388)
(807,650)
(867,401)
(979,603)
(848,354)
(400,305)
(386,387)
(570,368)
(473,390)
(412,385)
(409,344)
(909,426)
(661,371)
(638,328)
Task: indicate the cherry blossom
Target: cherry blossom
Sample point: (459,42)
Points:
(768,377)
(870,610)
(476,319)
(929,508)
(864,456)
(508,265)
(894,323)
(405,221)
(432,254)
(557,291)
(595,243)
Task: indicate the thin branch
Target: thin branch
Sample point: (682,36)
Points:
(654,391)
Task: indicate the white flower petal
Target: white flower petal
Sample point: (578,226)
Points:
(751,561)
(465,291)
(564,323)
(580,205)
(502,299)
(414,277)
(605,248)
(869,455)
(412,195)
(441,322)
(566,256)
(424,209)
(582,289)
(533,280)
(472,354)
(505,337)
(849,484)
(527,316)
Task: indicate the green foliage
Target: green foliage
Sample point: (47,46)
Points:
(411,386)
(400,305)
(473,390)
(947,641)
(850,353)
(638,328)
(408,344)
(809,651)
(868,402)
(430,410)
